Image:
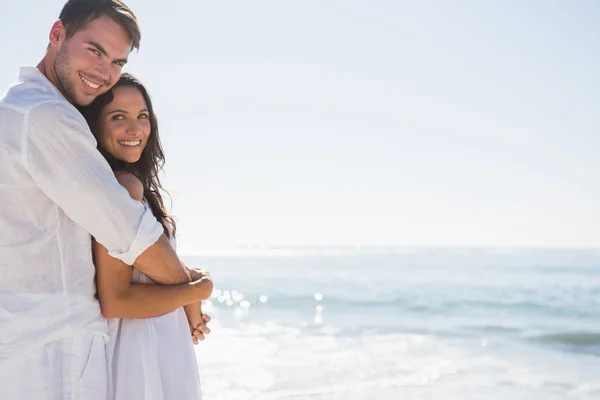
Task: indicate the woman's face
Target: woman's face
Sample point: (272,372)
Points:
(124,124)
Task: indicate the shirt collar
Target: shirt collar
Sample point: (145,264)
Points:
(29,74)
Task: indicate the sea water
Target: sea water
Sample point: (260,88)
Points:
(389,323)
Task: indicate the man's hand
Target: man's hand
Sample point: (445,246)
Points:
(199,274)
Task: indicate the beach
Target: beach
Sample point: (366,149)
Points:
(391,323)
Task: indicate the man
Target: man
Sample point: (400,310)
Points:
(56,191)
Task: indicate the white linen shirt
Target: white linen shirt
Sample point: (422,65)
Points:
(56,191)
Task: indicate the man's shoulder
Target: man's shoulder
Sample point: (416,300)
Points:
(41,106)
(24,96)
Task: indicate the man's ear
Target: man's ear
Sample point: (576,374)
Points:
(58,33)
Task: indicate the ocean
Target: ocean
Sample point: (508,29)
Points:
(392,323)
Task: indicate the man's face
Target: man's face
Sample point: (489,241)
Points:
(90,62)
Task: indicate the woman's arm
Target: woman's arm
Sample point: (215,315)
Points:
(120,298)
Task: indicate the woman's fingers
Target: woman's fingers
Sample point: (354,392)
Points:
(199,332)
(198,335)
(203,328)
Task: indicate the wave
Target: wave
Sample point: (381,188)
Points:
(492,329)
(572,338)
(426,305)
(414,304)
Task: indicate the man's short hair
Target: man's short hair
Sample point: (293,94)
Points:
(77,14)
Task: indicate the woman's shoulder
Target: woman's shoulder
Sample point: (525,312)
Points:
(130,182)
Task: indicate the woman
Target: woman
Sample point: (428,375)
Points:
(150,352)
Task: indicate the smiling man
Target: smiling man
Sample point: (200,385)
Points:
(56,192)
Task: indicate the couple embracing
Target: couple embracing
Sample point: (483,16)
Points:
(94,302)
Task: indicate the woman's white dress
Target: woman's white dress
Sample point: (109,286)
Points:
(152,358)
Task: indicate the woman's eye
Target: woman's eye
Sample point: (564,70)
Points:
(144,116)
(118,117)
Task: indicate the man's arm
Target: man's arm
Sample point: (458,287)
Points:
(60,154)
(160,262)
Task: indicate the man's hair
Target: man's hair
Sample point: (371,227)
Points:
(77,14)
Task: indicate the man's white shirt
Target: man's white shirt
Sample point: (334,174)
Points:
(56,192)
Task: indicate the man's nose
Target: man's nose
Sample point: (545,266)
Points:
(103,72)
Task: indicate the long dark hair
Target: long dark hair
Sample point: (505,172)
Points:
(152,159)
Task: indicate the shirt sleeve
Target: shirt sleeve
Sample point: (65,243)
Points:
(59,151)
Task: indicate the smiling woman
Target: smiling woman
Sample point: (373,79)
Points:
(147,322)
(126,128)
(123,126)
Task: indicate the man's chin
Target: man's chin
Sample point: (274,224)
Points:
(83,101)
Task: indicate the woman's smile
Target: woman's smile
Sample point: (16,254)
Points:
(130,143)
(124,125)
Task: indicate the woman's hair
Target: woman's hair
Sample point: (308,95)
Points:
(152,159)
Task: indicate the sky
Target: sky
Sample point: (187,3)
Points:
(366,123)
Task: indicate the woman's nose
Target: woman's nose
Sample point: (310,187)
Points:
(134,128)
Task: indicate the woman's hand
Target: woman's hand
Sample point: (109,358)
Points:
(196,318)
(197,321)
